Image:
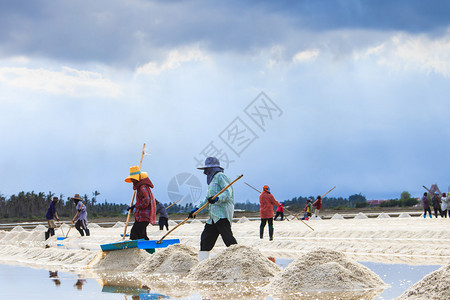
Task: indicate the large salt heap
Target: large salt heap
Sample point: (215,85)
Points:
(176,258)
(122,260)
(324,270)
(435,285)
(236,263)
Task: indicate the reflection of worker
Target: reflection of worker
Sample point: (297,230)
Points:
(51,215)
(81,217)
(54,276)
(266,203)
(221,208)
(145,203)
(163,216)
(79,284)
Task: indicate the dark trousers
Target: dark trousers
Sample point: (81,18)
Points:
(211,233)
(139,231)
(444,213)
(263,224)
(81,225)
(279,213)
(163,221)
(425,210)
(436,211)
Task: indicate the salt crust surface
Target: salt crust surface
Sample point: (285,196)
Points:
(435,285)
(235,263)
(122,260)
(337,217)
(177,258)
(383,216)
(325,270)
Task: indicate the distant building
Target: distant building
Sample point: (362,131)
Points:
(373,203)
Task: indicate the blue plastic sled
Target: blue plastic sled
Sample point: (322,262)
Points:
(153,244)
(120,245)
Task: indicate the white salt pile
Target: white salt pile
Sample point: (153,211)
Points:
(119,224)
(324,270)
(122,260)
(435,285)
(361,216)
(243,220)
(337,217)
(176,258)
(39,228)
(316,218)
(236,263)
(404,215)
(17,229)
(172,223)
(94,225)
(383,216)
(196,222)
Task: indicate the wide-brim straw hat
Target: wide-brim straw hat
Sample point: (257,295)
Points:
(211,162)
(136,174)
(77,197)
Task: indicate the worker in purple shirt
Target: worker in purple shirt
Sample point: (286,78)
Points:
(163,216)
(426,205)
(51,215)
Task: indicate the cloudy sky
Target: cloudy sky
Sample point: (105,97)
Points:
(299,95)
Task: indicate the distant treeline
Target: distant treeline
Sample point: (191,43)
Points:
(34,206)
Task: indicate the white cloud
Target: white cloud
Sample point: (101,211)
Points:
(68,81)
(404,52)
(305,56)
(173,61)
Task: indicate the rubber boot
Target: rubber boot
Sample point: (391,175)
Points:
(47,234)
(81,232)
(424,216)
(52,231)
(270,233)
(202,255)
(88,233)
(261,232)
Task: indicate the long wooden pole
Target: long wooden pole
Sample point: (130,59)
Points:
(134,195)
(284,208)
(61,227)
(173,203)
(198,210)
(73,220)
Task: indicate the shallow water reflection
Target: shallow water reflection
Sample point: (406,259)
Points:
(18,282)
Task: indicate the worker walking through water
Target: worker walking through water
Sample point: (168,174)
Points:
(51,215)
(221,208)
(267,201)
(145,203)
(81,217)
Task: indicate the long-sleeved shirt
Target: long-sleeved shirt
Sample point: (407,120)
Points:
(425,202)
(51,211)
(224,207)
(82,214)
(161,210)
(145,202)
(266,203)
(445,203)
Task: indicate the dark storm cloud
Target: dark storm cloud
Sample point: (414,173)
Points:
(133,32)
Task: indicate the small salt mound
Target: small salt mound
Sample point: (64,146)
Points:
(243,219)
(290,218)
(17,229)
(316,218)
(39,228)
(404,215)
(122,260)
(172,223)
(383,216)
(361,216)
(196,222)
(337,217)
(119,225)
(236,263)
(94,225)
(176,258)
(324,270)
(65,226)
(435,285)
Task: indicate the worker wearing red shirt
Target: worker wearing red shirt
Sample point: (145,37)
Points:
(317,205)
(266,201)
